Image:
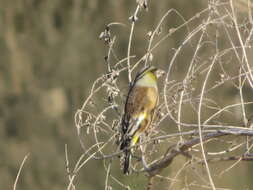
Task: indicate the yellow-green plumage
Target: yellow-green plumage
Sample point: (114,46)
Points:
(139,111)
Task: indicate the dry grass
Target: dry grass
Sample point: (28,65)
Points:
(194,120)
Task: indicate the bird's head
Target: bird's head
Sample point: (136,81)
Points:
(147,77)
(151,71)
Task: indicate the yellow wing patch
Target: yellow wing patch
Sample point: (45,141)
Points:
(135,139)
(137,133)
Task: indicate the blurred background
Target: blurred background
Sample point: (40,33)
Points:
(50,54)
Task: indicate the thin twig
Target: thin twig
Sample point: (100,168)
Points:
(19,171)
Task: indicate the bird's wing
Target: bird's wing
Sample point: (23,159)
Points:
(136,104)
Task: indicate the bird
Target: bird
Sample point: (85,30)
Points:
(139,111)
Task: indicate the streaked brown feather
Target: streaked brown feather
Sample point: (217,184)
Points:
(141,99)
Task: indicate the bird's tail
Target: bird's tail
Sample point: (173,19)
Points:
(127,155)
(127,160)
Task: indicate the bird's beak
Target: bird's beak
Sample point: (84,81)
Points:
(159,73)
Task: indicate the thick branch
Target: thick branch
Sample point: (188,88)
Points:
(175,150)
